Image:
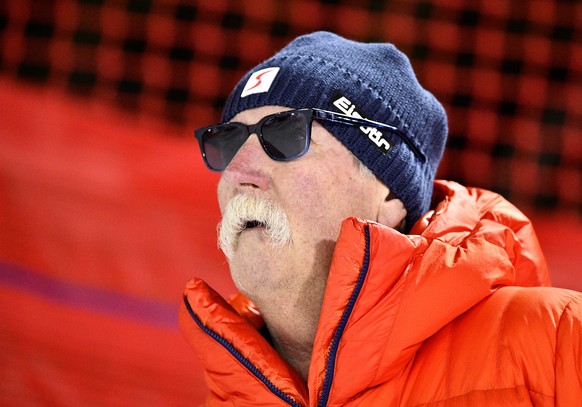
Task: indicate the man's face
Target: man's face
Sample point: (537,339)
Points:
(315,193)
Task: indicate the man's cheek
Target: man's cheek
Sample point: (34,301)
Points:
(307,195)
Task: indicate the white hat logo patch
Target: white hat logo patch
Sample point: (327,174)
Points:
(260,81)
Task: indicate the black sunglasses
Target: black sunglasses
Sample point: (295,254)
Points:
(284,136)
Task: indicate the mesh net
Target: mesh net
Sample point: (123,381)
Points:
(508,73)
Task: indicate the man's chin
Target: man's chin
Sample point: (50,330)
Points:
(252,239)
(255,244)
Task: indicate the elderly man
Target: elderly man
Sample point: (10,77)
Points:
(362,280)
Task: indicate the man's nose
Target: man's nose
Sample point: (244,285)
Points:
(250,167)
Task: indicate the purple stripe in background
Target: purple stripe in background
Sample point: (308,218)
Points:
(92,298)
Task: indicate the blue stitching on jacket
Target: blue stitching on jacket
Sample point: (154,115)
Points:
(334,346)
(244,361)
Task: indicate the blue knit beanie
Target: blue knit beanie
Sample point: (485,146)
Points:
(374,80)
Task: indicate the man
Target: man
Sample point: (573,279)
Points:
(360,285)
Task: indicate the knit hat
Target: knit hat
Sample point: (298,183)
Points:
(374,80)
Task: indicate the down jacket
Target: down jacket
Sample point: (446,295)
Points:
(453,314)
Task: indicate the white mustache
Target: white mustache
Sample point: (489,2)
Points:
(245,208)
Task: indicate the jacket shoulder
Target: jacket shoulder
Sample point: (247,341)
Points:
(518,342)
(530,337)
(536,335)
(533,307)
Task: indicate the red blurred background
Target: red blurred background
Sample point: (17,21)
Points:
(106,208)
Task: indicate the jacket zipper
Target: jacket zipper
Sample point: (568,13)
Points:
(334,344)
(243,360)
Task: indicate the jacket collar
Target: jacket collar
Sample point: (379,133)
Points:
(474,243)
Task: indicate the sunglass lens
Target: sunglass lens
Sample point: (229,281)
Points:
(285,136)
(221,143)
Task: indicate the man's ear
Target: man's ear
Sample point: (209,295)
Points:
(392,212)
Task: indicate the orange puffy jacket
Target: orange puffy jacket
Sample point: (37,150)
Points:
(439,317)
